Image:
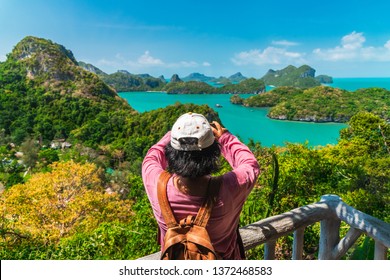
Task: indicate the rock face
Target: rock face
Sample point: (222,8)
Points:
(175,78)
(308,72)
(324,79)
(32,46)
(303,77)
(198,77)
(43,57)
(91,68)
(236,78)
(54,67)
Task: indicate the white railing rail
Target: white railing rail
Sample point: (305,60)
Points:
(329,211)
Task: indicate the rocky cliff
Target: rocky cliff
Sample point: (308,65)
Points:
(55,68)
(303,77)
(45,94)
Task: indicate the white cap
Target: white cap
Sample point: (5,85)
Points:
(194,126)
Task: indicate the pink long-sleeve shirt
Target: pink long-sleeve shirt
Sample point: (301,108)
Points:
(236,186)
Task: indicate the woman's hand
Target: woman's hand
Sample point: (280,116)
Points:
(218,130)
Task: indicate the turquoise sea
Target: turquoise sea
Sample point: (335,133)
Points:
(353,84)
(253,123)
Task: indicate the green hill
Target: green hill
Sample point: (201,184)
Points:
(54,68)
(251,85)
(123,81)
(45,94)
(235,78)
(320,104)
(302,77)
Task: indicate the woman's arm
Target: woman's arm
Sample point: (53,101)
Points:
(154,162)
(241,159)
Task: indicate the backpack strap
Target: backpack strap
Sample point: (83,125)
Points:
(166,210)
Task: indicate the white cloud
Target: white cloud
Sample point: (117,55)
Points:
(186,64)
(3,57)
(106,62)
(147,59)
(284,43)
(353,41)
(270,55)
(146,62)
(352,48)
(387,45)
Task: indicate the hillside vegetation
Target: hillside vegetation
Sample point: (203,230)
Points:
(86,201)
(301,77)
(320,104)
(250,85)
(123,81)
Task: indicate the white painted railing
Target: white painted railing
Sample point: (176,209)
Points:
(329,211)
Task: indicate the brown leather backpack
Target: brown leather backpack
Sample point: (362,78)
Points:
(188,239)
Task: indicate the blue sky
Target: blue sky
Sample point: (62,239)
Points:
(218,38)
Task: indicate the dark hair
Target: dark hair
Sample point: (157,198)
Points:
(193,164)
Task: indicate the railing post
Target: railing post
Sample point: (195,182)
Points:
(269,250)
(297,251)
(380,251)
(329,232)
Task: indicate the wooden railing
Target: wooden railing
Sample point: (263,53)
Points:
(329,211)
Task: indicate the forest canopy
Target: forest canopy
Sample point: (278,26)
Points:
(320,104)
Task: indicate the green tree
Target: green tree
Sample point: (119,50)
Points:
(30,149)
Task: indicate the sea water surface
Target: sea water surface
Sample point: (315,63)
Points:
(353,84)
(247,123)
(253,123)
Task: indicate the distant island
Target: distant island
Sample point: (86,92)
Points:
(122,81)
(301,77)
(319,104)
(235,78)
(177,86)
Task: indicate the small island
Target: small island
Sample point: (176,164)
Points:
(250,85)
(302,77)
(319,104)
(197,83)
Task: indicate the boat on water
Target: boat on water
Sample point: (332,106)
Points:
(218,105)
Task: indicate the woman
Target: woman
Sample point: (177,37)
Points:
(191,151)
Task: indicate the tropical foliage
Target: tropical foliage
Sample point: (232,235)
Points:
(301,77)
(123,81)
(250,85)
(356,169)
(321,104)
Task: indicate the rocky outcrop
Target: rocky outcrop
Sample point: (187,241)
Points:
(91,68)
(324,79)
(302,77)
(236,78)
(55,68)
(310,118)
(308,72)
(197,77)
(175,78)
